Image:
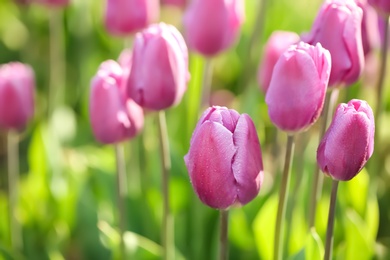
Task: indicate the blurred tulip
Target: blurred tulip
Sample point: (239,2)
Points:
(124,17)
(278,42)
(349,141)
(17,86)
(296,93)
(178,3)
(370,28)
(383,6)
(53,3)
(338,28)
(224,160)
(159,74)
(213,26)
(382,29)
(114,116)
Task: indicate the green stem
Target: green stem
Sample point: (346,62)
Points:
(57,60)
(206,83)
(382,72)
(167,225)
(329,231)
(121,188)
(13,188)
(223,238)
(318,178)
(279,229)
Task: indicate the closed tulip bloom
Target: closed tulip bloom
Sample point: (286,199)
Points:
(224,160)
(278,42)
(124,17)
(114,116)
(159,74)
(349,141)
(296,93)
(213,26)
(17,86)
(383,6)
(338,29)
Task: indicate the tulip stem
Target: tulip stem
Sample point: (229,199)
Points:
(206,83)
(318,179)
(13,188)
(279,228)
(329,231)
(121,189)
(382,72)
(223,238)
(167,225)
(57,64)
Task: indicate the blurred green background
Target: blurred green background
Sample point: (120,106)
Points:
(67,202)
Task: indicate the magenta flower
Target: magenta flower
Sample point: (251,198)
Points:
(114,116)
(159,74)
(296,93)
(278,42)
(213,26)
(124,17)
(349,142)
(383,6)
(224,160)
(178,3)
(338,28)
(17,86)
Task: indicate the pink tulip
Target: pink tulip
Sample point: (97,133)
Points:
(383,6)
(114,116)
(278,42)
(178,3)
(370,30)
(349,141)
(159,74)
(124,17)
(17,86)
(224,160)
(296,93)
(213,26)
(338,28)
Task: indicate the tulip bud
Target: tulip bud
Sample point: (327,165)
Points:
(338,28)
(224,160)
(349,141)
(16,95)
(278,42)
(296,93)
(114,116)
(213,26)
(383,6)
(159,74)
(128,16)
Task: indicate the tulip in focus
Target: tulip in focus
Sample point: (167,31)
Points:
(277,43)
(114,116)
(213,26)
(296,93)
(224,160)
(383,6)
(349,142)
(17,86)
(124,17)
(338,28)
(159,74)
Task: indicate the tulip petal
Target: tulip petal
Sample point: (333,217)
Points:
(209,165)
(247,163)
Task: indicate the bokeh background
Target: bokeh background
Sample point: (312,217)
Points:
(67,205)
